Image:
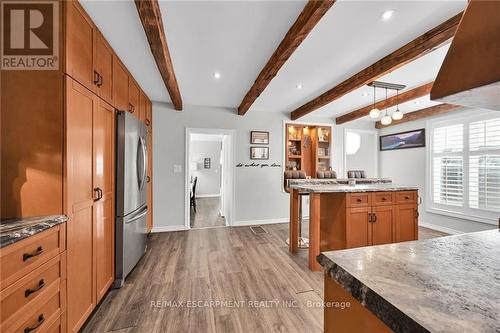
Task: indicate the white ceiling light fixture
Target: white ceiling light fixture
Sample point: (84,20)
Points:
(217,75)
(365,94)
(299,86)
(397,115)
(387,15)
(374,112)
(386,119)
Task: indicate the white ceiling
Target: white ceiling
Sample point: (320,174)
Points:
(236,38)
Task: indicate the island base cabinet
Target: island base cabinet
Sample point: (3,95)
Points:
(345,314)
(407,223)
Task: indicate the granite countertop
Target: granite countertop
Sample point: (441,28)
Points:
(337,181)
(447,284)
(336,188)
(14,230)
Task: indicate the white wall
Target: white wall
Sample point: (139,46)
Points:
(258,192)
(366,156)
(407,166)
(209,180)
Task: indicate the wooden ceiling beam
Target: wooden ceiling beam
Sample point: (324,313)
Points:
(423,113)
(150,15)
(307,20)
(386,103)
(418,47)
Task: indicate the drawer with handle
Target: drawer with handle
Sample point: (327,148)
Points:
(26,293)
(19,259)
(406,197)
(38,320)
(358,199)
(382,198)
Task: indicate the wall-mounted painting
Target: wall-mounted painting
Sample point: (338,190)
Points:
(403,140)
(259,153)
(259,138)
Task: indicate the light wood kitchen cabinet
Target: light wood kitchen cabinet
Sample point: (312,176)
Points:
(133,97)
(80,45)
(382,225)
(367,218)
(79,203)
(104,212)
(104,68)
(120,85)
(407,222)
(89,58)
(90,200)
(143,104)
(357,225)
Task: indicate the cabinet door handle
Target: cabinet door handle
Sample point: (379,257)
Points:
(369,217)
(99,82)
(407,198)
(131,108)
(40,321)
(147,122)
(416,213)
(384,198)
(359,200)
(38,251)
(148,179)
(96,78)
(98,191)
(374,218)
(28,291)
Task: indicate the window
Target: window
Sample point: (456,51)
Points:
(465,166)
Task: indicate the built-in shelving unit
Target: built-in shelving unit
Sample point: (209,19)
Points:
(307,148)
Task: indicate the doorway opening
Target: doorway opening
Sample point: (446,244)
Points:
(209,178)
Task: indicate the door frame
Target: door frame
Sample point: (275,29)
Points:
(375,148)
(228,181)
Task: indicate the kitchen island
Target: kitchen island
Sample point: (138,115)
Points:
(347,216)
(447,284)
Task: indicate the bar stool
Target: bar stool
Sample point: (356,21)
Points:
(297,174)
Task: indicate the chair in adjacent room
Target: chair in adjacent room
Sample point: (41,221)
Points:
(297,174)
(193,194)
(356,174)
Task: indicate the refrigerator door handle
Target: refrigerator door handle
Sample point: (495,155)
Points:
(141,163)
(138,216)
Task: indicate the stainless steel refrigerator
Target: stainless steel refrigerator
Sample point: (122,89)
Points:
(131,195)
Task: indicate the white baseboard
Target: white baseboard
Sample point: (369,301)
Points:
(215,195)
(257,222)
(168,228)
(440,228)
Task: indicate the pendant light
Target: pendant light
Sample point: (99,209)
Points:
(374,113)
(386,119)
(397,115)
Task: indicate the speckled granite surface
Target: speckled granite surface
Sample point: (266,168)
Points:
(317,181)
(14,230)
(334,188)
(447,284)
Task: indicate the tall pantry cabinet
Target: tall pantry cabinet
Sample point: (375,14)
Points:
(97,84)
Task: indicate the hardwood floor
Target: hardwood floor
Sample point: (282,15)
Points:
(218,264)
(207,213)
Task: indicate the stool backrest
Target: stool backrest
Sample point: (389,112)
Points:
(329,174)
(356,174)
(293,174)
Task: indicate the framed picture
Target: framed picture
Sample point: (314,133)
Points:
(259,153)
(403,140)
(259,138)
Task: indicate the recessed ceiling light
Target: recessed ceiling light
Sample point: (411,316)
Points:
(365,94)
(217,75)
(387,15)
(299,86)
(417,102)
